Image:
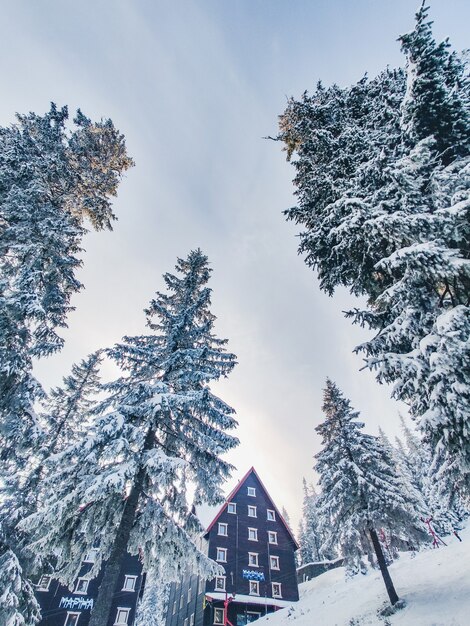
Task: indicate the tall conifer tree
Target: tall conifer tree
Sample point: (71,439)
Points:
(52,182)
(160,431)
(361,491)
(383,188)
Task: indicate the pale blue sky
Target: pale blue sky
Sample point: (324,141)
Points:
(195,86)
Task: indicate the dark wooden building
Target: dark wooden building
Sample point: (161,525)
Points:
(254,545)
(61,606)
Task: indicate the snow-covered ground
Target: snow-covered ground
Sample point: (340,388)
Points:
(435,585)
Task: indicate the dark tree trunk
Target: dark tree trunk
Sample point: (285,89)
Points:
(392,594)
(101,613)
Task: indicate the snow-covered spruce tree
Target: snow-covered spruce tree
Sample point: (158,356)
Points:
(159,435)
(151,610)
(18,606)
(384,197)
(311,540)
(52,180)
(361,491)
(65,416)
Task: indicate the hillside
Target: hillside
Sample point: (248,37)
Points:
(435,585)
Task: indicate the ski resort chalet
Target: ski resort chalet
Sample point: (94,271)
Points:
(255,546)
(248,538)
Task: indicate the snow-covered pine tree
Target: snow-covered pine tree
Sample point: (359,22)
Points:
(65,416)
(385,211)
(18,605)
(66,410)
(361,491)
(151,610)
(310,538)
(52,180)
(436,101)
(159,435)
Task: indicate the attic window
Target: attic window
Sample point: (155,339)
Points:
(252,491)
(223,529)
(271,515)
(231,507)
(251,511)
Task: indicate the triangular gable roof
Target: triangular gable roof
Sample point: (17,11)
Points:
(233,493)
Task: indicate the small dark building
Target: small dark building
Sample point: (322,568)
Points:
(61,606)
(254,545)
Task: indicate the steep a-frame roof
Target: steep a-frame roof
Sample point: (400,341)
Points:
(233,493)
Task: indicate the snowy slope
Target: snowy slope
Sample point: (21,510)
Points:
(435,585)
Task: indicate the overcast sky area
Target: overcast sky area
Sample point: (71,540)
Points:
(195,86)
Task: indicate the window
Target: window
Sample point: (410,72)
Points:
(271,515)
(252,616)
(44,582)
(254,588)
(90,557)
(223,529)
(252,492)
(72,618)
(272,537)
(200,585)
(191,619)
(186,620)
(129,583)
(274,562)
(181,602)
(276,590)
(231,507)
(253,534)
(220,583)
(122,616)
(253,559)
(221,555)
(251,511)
(219,616)
(189,595)
(174,607)
(82,585)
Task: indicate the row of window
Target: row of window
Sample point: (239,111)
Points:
(222,530)
(122,617)
(252,536)
(252,511)
(253,559)
(81,586)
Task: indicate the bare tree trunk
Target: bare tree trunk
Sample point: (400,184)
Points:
(392,594)
(101,613)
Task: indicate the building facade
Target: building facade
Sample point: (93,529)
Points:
(61,606)
(256,549)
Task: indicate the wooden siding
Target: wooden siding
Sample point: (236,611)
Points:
(238,545)
(58,600)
